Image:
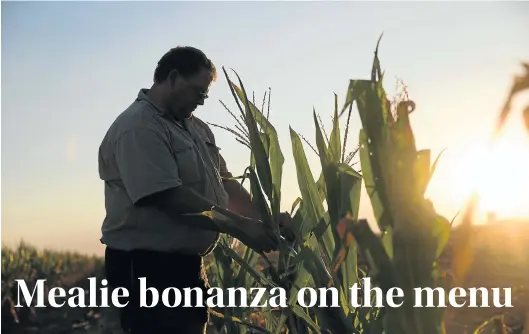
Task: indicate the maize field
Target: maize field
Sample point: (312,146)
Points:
(60,269)
(330,245)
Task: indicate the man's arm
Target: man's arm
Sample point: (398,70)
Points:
(241,202)
(151,176)
(181,202)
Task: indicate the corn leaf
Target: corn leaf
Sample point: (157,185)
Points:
(372,188)
(260,278)
(259,198)
(335,144)
(422,170)
(369,242)
(238,321)
(274,152)
(312,203)
(258,149)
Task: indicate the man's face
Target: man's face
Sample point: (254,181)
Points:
(186,94)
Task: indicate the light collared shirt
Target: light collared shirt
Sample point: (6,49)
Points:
(145,151)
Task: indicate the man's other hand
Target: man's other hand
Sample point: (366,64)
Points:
(256,235)
(286,226)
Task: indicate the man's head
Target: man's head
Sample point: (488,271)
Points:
(184,75)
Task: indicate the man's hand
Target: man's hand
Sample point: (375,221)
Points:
(286,226)
(256,235)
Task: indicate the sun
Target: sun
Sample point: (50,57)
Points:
(499,174)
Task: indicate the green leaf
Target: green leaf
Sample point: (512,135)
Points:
(434,166)
(304,316)
(350,182)
(441,231)
(250,257)
(335,144)
(323,152)
(370,244)
(403,140)
(328,173)
(305,274)
(373,190)
(260,278)
(281,323)
(350,188)
(258,149)
(376,73)
(274,152)
(295,204)
(422,170)
(351,96)
(320,184)
(259,199)
(312,203)
(238,321)
(374,154)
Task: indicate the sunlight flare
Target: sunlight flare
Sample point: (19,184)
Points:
(500,176)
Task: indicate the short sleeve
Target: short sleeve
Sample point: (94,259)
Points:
(145,163)
(223,169)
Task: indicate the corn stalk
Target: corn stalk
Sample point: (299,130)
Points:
(319,256)
(396,176)
(324,253)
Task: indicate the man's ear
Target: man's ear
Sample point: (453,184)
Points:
(173,75)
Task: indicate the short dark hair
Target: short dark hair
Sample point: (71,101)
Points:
(186,60)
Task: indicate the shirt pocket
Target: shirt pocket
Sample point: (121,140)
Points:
(214,153)
(190,166)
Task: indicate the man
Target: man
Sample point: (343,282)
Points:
(160,164)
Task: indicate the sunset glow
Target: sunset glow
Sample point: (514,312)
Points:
(499,174)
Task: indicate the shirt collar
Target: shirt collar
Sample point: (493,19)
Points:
(142,96)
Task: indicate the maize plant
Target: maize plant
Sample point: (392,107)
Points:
(319,256)
(396,176)
(324,253)
(224,274)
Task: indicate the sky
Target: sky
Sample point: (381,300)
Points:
(69,68)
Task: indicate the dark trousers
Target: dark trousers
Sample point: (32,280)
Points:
(161,270)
